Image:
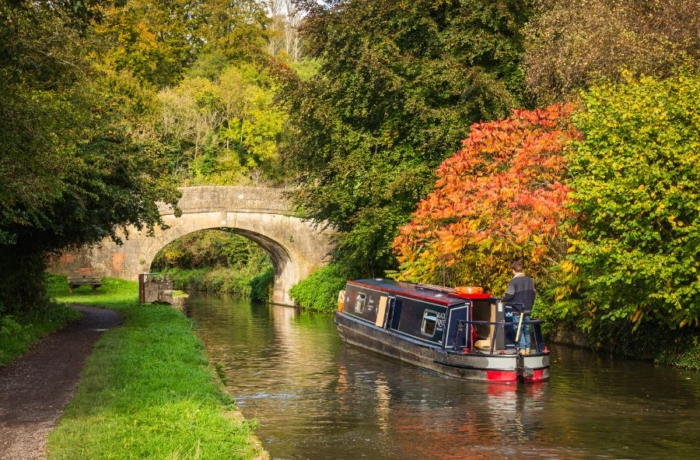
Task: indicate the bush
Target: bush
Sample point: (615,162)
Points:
(501,197)
(249,281)
(261,286)
(636,191)
(320,290)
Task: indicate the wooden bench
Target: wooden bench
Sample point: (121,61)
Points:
(83,280)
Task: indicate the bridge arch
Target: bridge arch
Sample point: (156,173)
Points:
(262,215)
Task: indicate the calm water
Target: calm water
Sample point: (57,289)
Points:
(316,398)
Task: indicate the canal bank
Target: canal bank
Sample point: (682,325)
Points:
(676,348)
(148,391)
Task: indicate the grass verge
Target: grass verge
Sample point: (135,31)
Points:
(21,330)
(147,390)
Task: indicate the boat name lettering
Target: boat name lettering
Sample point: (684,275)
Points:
(441,317)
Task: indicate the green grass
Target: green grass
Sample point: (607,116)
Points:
(19,331)
(147,391)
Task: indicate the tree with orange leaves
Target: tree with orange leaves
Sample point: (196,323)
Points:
(502,196)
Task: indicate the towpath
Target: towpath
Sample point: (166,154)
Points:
(35,388)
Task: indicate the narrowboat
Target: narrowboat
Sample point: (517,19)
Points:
(459,332)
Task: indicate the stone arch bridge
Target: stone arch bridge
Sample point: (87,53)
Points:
(262,215)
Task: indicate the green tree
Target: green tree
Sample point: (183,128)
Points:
(236,29)
(39,57)
(636,187)
(208,249)
(224,129)
(158,41)
(155,40)
(398,83)
(574,44)
(77,161)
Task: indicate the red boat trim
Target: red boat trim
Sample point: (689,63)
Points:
(502,376)
(474,296)
(537,376)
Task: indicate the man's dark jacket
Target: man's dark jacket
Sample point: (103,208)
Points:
(521,290)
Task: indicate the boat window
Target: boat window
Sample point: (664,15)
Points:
(360,302)
(429,323)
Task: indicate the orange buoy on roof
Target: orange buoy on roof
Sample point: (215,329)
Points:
(469,290)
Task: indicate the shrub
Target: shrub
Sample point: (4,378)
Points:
(636,191)
(501,197)
(320,290)
(261,286)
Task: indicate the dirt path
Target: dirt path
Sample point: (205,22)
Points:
(34,389)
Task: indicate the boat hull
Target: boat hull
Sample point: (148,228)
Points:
(501,368)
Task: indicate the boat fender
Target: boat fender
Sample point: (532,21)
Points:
(341,301)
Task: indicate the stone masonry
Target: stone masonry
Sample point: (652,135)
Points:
(263,215)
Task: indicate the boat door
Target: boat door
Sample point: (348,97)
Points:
(385,311)
(381,312)
(458,328)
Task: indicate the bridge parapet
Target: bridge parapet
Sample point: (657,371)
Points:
(241,199)
(263,215)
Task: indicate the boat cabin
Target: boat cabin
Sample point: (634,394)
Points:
(454,320)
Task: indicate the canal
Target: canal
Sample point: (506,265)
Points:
(316,398)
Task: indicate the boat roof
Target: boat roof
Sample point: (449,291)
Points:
(425,292)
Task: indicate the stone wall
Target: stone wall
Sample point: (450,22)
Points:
(156,288)
(296,247)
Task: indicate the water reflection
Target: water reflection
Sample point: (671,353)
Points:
(318,399)
(420,415)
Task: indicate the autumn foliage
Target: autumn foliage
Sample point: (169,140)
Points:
(500,197)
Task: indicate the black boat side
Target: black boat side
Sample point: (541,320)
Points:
(462,335)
